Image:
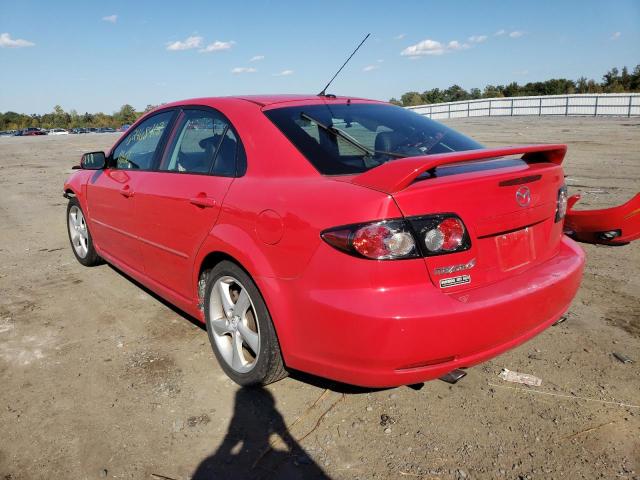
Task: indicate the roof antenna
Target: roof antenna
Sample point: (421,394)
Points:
(324,90)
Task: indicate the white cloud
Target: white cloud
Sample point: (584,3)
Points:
(217,46)
(432,47)
(477,38)
(283,73)
(400,37)
(380,60)
(188,44)
(7,42)
(369,68)
(500,32)
(110,18)
(243,70)
(456,45)
(616,35)
(256,58)
(516,34)
(425,47)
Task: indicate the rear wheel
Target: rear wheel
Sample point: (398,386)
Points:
(240,328)
(79,235)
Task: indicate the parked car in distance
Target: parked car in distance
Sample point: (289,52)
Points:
(124,128)
(343,237)
(58,131)
(31,131)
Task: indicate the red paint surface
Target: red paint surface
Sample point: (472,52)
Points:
(587,224)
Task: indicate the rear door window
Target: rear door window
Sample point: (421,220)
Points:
(203,143)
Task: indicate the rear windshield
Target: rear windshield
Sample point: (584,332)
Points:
(353,138)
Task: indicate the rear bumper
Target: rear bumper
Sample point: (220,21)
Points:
(395,327)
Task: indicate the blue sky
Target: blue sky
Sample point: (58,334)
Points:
(97,55)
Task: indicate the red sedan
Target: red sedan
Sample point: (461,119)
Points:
(347,238)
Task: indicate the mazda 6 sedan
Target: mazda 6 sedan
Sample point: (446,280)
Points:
(347,238)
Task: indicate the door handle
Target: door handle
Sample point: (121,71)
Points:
(126,191)
(203,201)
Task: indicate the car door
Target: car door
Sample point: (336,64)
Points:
(180,202)
(111,192)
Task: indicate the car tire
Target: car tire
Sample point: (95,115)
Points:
(240,328)
(80,236)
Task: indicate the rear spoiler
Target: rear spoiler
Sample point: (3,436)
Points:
(396,175)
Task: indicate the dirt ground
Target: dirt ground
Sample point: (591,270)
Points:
(101,379)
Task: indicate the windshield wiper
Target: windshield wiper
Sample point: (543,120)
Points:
(345,136)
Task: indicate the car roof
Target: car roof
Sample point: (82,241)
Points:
(268,100)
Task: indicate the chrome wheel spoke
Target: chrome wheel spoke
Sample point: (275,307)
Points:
(250,337)
(242,304)
(219,326)
(237,360)
(73,216)
(226,349)
(225,298)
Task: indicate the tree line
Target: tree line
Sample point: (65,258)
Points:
(58,118)
(614,81)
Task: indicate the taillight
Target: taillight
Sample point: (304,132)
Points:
(446,236)
(399,239)
(561,204)
(384,240)
(440,234)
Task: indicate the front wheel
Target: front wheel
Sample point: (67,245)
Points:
(79,235)
(240,328)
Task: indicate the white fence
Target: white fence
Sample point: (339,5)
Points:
(605,104)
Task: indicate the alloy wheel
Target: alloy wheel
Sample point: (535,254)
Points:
(234,324)
(78,231)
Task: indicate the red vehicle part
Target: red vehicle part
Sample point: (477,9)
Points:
(397,175)
(608,226)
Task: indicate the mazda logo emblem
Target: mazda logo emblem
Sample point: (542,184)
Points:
(523,196)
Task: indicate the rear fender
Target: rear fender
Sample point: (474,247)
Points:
(608,226)
(236,243)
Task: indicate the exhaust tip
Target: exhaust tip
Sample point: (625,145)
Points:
(562,319)
(453,376)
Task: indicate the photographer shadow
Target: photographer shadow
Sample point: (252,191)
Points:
(246,451)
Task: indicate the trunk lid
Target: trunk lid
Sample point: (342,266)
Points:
(507,205)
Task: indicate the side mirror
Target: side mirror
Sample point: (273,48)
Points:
(93,161)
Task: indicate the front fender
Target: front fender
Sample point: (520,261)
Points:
(77,185)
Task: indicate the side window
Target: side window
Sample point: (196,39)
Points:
(197,140)
(225,165)
(138,149)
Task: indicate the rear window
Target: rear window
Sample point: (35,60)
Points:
(354,137)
